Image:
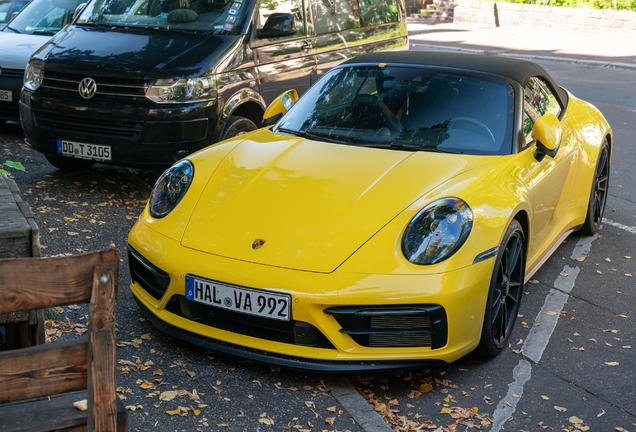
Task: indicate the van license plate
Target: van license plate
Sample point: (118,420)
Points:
(84,151)
(244,300)
(6,96)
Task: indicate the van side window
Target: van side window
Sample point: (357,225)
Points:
(293,7)
(338,15)
(538,100)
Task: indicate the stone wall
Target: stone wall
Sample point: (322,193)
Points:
(515,14)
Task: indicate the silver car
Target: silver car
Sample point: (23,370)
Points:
(35,24)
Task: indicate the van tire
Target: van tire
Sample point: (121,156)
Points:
(237,126)
(69,164)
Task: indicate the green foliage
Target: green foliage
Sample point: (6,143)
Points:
(626,5)
(15,165)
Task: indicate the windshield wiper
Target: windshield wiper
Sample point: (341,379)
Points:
(401,146)
(13,30)
(309,135)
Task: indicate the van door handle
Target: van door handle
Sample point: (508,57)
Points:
(306,46)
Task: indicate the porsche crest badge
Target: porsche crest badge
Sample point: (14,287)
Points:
(257,244)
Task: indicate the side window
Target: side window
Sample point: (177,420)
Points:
(538,100)
(338,15)
(293,7)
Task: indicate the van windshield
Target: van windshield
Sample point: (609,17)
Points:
(222,17)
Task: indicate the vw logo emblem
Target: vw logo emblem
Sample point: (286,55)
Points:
(87,88)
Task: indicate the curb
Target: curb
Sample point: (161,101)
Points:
(358,408)
(528,56)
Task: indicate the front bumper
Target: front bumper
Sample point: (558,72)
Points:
(11,80)
(461,294)
(141,134)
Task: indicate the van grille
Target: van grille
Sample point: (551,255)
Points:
(101,127)
(107,88)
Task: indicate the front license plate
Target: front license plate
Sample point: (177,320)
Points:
(84,151)
(6,96)
(245,300)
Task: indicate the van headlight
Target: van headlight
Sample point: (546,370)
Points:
(170,188)
(182,90)
(32,78)
(437,231)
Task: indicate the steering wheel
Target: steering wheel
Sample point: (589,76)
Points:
(476,122)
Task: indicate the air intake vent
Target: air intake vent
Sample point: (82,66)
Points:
(150,277)
(393,326)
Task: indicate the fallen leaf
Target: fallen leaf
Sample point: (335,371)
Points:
(545,398)
(145,337)
(330,420)
(560,409)
(81,405)
(425,388)
(599,272)
(445,411)
(174,412)
(331,409)
(611,363)
(575,419)
(533,281)
(157,372)
(551,313)
(581,259)
(310,404)
(266,421)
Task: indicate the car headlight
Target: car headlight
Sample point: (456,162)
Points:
(32,77)
(182,90)
(437,231)
(170,188)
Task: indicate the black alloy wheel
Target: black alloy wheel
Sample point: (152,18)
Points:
(598,194)
(504,295)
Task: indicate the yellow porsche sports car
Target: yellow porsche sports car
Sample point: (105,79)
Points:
(388,219)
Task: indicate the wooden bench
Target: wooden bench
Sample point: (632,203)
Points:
(39,384)
(19,238)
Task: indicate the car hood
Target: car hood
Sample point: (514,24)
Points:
(134,53)
(313,204)
(15,49)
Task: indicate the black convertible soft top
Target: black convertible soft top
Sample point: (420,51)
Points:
(514,69)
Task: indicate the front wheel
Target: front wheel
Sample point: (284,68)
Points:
(504,294)
(69,164)
(598,194)
(236,126)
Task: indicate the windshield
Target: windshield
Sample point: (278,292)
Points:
(211,16)
(407,108)
(7,8)
(44,17)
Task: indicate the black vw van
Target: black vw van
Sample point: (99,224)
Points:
(146,82)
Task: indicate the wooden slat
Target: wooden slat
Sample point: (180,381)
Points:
(101,390)
(43,370)
(38,283)
(54,413)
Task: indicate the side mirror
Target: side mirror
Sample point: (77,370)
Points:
(14,14)
(278,25)
(279,107)
(78,10)
(547,134)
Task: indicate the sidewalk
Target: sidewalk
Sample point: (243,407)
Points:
(598,49)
